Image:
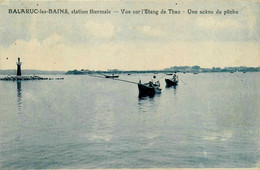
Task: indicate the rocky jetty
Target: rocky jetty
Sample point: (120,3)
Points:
(19,76)
(15,78)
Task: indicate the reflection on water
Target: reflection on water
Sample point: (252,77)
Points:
(174,88)
(145,100)
(19,96)
(148,104)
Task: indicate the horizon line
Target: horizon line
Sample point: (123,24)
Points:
(127,70)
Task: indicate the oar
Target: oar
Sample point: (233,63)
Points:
(182,81)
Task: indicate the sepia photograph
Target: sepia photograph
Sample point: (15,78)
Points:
(123,84)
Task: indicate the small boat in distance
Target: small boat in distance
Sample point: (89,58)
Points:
(111,76)
(148,89)
(169,74)
(196,73)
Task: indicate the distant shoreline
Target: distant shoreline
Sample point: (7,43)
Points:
(177,69)
(31,72)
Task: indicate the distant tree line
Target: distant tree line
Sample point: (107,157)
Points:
(184,69)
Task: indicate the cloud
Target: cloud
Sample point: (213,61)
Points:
(49,54)
(101,30)
(212,23)
(251,23)
(151,31)
(54,53)
(53,41)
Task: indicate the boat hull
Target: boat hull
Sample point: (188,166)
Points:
(145,90)
(111,76)
(170,82)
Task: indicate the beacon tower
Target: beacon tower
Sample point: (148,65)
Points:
(19,63)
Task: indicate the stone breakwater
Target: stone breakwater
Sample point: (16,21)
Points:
(15,78)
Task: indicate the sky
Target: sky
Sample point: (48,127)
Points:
(130,41)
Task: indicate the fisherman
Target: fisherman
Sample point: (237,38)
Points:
(175,76)
(150,84)
(155,82)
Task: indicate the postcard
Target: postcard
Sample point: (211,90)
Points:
(118,84)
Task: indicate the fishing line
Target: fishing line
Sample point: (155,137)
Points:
(114,79)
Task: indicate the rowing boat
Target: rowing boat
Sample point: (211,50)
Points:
(171,82)
(111,76)
(149,89)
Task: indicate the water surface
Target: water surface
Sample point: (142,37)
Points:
(208,120)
